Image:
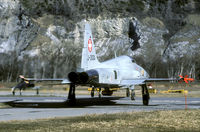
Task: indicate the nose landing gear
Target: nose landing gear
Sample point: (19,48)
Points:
(132,94)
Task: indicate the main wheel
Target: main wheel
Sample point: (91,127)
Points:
(99,92)
(127,92)
(37,91)
(145,99)
(72,95)
(92,93)
(20,92)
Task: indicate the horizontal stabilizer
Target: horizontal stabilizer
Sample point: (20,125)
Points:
(64,80)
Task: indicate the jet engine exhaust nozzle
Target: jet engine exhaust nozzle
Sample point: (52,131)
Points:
(73,77)
(83,77)
(76,77)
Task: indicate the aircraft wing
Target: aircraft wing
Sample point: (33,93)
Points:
(160,79)
(144,80)
(63,80)
(133,82)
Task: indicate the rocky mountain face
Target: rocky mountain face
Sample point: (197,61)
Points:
(43,38)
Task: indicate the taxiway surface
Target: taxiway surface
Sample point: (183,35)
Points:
(50,107)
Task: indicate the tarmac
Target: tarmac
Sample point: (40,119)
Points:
(28,108)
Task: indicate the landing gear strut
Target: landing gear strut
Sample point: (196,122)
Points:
(92,92)
(37,91)
(145,95)
(127,92)
(71,95)
(132,94)
(20,92)
(99,92)
(13,91)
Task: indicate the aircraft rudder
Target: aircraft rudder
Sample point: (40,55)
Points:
(89,57)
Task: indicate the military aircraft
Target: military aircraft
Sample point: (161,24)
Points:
(119,72)
(22,85)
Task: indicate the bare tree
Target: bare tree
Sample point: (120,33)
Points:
(59,57)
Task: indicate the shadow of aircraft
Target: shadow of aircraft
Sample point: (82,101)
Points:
(80,103)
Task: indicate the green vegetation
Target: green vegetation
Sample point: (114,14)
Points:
(179,120)
(182,2)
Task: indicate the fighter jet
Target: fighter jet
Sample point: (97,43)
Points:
(22,85)
(120,72)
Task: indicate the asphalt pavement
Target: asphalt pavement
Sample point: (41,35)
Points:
(27,108)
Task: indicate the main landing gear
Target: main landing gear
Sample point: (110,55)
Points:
(127,92)
(132,94)
(145,95)
(13,91)
(71,94)
(92,92)
(99,92)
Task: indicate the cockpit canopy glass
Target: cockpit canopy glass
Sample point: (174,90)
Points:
(133,60)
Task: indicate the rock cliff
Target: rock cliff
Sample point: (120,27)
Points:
(43,38)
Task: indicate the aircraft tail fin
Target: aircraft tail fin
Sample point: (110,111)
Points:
(89,58)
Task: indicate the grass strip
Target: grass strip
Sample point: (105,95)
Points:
(179,120)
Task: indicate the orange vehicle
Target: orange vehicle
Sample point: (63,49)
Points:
(186,79)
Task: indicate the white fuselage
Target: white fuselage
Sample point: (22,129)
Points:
(114,71)
(120,68)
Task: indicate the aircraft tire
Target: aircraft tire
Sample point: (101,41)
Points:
(92,93)
(127,92)
(145,100)
(132,95)
(99,94)
(37,91)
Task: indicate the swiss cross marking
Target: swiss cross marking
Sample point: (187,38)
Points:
(90,44)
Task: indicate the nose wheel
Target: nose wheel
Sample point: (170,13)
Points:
(132,95)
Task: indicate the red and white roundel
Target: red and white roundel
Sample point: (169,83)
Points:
(90,45)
